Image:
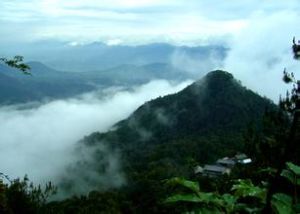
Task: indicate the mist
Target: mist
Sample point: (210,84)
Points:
(196,66)
(40,140)
(261,51)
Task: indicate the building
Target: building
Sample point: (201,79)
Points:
(226,162)
(242,159)
(215,170)
(222,166)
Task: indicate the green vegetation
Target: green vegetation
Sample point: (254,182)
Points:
(273,194)
(21,196)
(163,140)
(243,197)
(17,62)
(168,136)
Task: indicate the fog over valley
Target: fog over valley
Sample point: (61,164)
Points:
(43,138)
(149,106)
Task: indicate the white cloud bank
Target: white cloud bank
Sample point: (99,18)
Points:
(131,21)
(39,141)
(262,50)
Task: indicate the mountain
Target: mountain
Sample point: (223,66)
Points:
(165,137)
(97,55)
(132,74)
(216,106)
(13,90)
(46,82)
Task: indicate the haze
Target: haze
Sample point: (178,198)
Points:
(244,33)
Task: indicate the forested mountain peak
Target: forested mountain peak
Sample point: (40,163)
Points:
(210,114)
(217,101)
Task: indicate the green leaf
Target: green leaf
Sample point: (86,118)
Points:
(229,202)
(288,174)
(185,198)
(194,186)
(245,188)
(268,170)
(294,168)
(282,204)
(209,197)
(205,198)
(229,199)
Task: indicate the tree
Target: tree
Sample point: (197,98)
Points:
(279,192)
(17,62)
(291,148)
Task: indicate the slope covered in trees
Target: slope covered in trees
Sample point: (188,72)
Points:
(216,107)
(167,136)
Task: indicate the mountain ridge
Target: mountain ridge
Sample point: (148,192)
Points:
(46,82)
(210,114)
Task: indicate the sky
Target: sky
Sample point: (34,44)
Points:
(133,21)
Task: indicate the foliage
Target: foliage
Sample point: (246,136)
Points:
(21,196)
(292,173)
(245,188)
(166,137)
(17,62)
(240,200)
(243,197)
(291,102)
(281,203)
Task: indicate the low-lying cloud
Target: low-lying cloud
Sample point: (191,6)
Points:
(196,66)
(39,141)
(262,50)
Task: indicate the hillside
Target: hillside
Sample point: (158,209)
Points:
(216,107)
(167,136)
(13,90)
(164,138)
(44,83)
(47,82)
(97,55)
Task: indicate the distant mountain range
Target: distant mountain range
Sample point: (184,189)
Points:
(99,56)
(62,70)
(48,83)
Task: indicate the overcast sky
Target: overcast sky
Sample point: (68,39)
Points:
(258,32)
(132,21)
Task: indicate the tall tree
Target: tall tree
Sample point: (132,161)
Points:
(290,104)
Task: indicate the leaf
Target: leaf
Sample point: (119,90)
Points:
(205,198)
(229,202)
(194,186)
(282,203)
(268,170)
(245,188)
(288,174)
(209,197)
(185,198)
(287,79)
(294,168)
(229,199)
